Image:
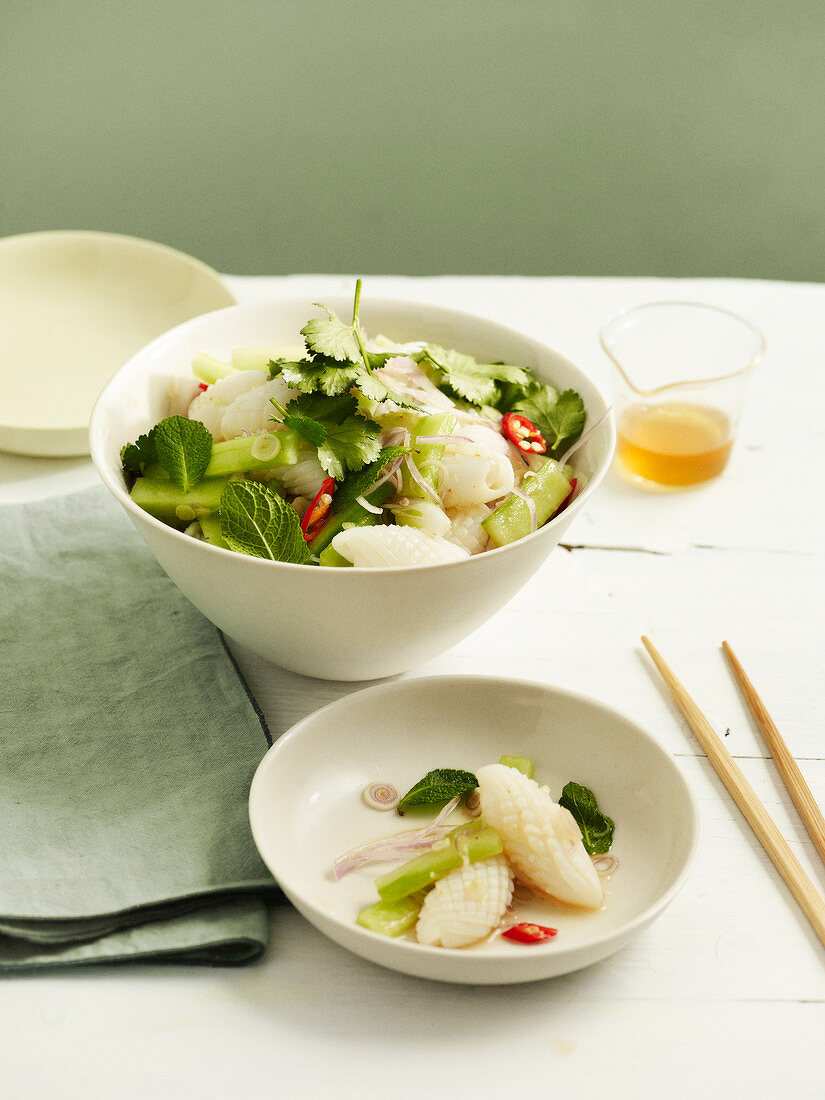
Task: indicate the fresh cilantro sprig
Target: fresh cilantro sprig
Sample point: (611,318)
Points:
(345,439)
(331,378)
(134,457)
(596,827)
(465,377)
(343,343)
(558,416)
(256,521)
(337,359)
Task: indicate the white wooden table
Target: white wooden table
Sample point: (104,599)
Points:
(725,994)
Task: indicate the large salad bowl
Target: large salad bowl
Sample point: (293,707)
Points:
(339,624)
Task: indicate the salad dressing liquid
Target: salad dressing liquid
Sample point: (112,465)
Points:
(674,444)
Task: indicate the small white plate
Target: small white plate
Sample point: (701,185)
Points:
(76,306)
(306,808)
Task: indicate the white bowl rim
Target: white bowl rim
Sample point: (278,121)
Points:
(421,683)
(171,335)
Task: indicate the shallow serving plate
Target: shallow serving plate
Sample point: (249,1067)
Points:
(306,809)
(77,305)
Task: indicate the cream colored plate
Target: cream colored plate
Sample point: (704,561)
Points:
(305,808)
(74,306)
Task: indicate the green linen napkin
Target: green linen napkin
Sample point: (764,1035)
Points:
(128,741)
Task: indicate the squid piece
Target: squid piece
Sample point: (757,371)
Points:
(377,547)
(467,904)
(541,839)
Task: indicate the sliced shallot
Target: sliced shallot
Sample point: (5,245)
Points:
(605,864)
(395,847)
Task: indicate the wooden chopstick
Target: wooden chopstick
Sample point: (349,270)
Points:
(787,767)
(746,799)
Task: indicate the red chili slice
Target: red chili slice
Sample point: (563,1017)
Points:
(202,386)
(523,433)
(529,933)
(318,510)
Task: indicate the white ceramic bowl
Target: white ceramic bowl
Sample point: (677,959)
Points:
(305,809)
(338,624)
(76,305)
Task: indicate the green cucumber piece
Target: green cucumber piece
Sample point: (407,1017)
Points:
(548,487)
(166,501)
(209,369)
(330,556)
(418,873)
(211,528)
(390,918)
(258,358)
(437,862)
(522,764)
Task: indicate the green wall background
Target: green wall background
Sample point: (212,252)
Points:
(556,137)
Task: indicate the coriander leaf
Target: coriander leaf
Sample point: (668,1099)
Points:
(350,442)
(467,378)
(537,404)
(377,359)
(567,418)
(134,456)
(183,448)
(559,417)
(438,787)
(323,374)
(332,337)
(349,445)
(374,389)
(596,827)
(256,521)
(305,426)
(358,484)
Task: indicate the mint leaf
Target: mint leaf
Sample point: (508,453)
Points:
(256,521)
(135,456)
(332,337)
(596,827)
(358,484)
(438,787)
(465,377)
(183,449)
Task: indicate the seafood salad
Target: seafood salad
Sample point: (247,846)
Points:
(351,451)
(459,890)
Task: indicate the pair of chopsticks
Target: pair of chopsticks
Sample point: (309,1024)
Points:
(743,794)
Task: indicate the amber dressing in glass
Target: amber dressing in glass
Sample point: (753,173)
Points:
(674,444)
